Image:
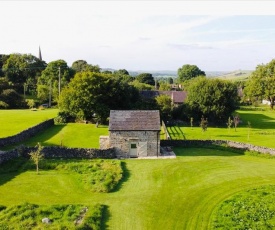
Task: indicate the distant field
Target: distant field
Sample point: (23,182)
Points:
(15,121)
(261,133)
(238,75)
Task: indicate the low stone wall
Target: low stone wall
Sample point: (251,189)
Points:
(6,156)
(60,152)
(24,135)
(233,144)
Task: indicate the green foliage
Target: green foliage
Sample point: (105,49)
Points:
(37,156)
(30,103)
(261,84)
(121,72)
(251,209)
(83,66)
(29,216)
(18,68)
(90,94)
(164,87)
(146,78)
(49,80)
(164,103)
(187,72)
(213,98)
(11,99)
(141,86)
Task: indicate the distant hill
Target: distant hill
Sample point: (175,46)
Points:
(238,75)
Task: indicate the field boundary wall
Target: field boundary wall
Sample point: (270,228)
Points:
(59,152)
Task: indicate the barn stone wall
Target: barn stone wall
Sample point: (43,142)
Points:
(120,140)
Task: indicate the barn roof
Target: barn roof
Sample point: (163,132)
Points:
(134,120)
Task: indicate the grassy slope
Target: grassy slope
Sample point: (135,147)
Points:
(176,193)
(262,130)
(15,121)
(71,135)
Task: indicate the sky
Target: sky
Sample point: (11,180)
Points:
(142,35)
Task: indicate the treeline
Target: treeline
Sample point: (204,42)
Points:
(86,92)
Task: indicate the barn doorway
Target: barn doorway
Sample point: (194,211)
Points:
(133,149)
(142,149)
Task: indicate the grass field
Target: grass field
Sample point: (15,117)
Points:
(179,193)
(261,133)
(15,121)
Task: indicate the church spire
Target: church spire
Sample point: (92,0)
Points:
(40,55)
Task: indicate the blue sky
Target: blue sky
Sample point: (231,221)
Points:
(143,35)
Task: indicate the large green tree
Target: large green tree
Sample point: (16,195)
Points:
(214,98)
(187,72)
(146,78)
(56,76)
(20,69)
(261,83)
(91,93)
(82,66)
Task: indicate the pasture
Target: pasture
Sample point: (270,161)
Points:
(15,121)
(181,193)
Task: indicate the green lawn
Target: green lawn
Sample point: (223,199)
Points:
(15,121)
(70,135)
(262,132)
(179,193)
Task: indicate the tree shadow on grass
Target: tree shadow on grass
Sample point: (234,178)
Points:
(106,215)
(125,177)
(259,121)
(45,135)
(211,150)
(12,168)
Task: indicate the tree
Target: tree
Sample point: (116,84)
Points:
(11,99)
(164,103)
(36,156)
(261,83)
(141,86)
(50,79)
(187,72)
(214,98)
(122,72)
(146,78)
(23,68)
(91,93)
(82,66)
(164,87)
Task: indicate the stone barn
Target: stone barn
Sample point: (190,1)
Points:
(133,133)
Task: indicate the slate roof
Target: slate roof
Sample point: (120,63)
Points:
(134,120)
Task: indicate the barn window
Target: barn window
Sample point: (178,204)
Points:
(133,146)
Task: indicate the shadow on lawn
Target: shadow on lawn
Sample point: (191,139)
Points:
(9,170)
(258,121)
(45,135)
(125,177)
(106,215)
(214,150)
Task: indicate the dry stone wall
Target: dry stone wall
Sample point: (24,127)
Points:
(60,152)
(24,135)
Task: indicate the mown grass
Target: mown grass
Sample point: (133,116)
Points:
(180,193)
(261,133)
(15,121)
